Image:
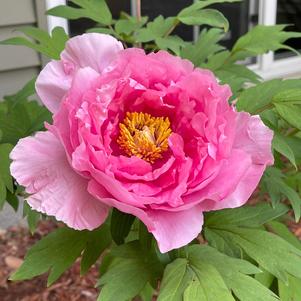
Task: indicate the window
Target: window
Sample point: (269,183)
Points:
(242,17)
(280,64)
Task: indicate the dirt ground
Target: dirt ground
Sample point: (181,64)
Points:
(14,243)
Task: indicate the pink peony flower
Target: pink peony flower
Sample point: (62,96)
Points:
(147,134)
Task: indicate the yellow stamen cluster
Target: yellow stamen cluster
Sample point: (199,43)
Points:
(144,136)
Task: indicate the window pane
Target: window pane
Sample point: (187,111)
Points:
(289,12)
(116,6)
(241,16)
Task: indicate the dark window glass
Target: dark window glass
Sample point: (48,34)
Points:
(153,8)
(81,25)
(239,18)
(289,12)
(238,15)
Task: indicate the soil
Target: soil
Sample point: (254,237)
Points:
(14,243)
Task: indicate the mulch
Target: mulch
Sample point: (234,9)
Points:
(14,243)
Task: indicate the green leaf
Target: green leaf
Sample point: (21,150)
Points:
(290,113)
(200,5)
(98,241)
(290,291)
(147,293)
(158,28)
(236,76)
(259,97)
(276,186)
(13,200)
(282,230)
(6,181)
(96,10)
(21,119)
(291,96)
(235,273)
(2,194)
(205,46)
(210,17)
(173,43)
(55,253)
(41,41)
(27,91)
(127,271)
(206,274)
(281,146)
(121,224)
(246,216)
(129,25)
(262,39)
(265,278)
(5,176)
(176,278)
(32,217)
(102,30)
(208,284)
(268,250)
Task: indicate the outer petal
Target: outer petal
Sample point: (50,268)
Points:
(40,164)
(88,50)
(171,229)
(254,138)
(244,189)
(52,84)
(93,50)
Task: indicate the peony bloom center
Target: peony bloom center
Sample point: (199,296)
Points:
(144,136)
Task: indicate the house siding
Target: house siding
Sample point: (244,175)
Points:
(18,64)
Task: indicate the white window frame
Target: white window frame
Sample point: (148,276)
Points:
(56,21)
(267,66)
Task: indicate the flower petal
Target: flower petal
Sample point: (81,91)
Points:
(52,84)
(40,164)
(88,50)
(93,50)
(254,138)
(172,230)
(244,189)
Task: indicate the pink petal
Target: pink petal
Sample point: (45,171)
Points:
(254,138)
(225,182)
(93,50)
(244,189)
(174,230)
(171,229)
(88,50)
(40,164)
(52,84)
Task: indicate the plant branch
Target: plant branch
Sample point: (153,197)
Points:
(138,10)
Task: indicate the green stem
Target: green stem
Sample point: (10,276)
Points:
(293,132)
(266,107)
(172,28)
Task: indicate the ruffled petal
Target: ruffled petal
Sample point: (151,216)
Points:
(244,189)
(92,50)
(254,138)
(52,84)
(40,164)
(172,230)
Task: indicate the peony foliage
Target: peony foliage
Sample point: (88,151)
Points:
(244,253)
